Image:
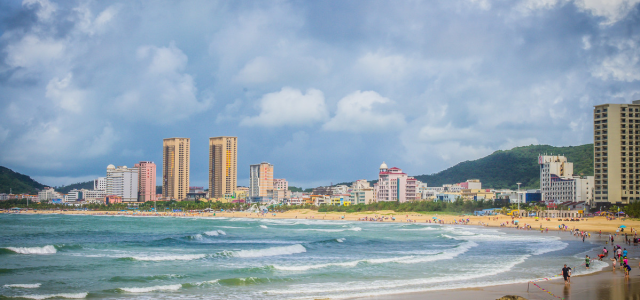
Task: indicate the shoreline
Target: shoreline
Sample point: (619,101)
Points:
(592,225)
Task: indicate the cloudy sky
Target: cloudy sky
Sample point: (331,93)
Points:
(324,90)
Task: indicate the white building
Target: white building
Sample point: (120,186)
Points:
(95,196)
(123,182)
(280,184)
(394,185)
(339,189)
(100,184)
(48,194)
(558,184)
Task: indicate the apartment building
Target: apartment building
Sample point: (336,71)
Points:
(223,166)
(175,168)
(616,145)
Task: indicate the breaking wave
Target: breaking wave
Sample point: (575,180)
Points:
(49,249)
(63,295)
(173,287)
(273,251)
(215,233)
(166,258)
(23,286)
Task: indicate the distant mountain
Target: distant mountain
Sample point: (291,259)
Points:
(17,183)
(503,169)
(80,185)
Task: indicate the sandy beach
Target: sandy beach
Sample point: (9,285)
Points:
(605,284)
(592,225)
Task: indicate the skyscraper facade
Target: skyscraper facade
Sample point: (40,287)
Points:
(146,181)
(223,166)
(175,168)
(616,146)
(123,182)
(260,179)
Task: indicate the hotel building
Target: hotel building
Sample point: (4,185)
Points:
(123,182)
(616,145)
(146,181)
(175,168)
(394,185)
(223,166)
(260,179)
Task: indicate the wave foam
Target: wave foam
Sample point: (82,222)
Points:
(340,240)
(215,233)
(173,287)
(23,286)
(462,248)
(293,249)
(332,230)
(49,249)
(63,295)
(169,257)
(264,226)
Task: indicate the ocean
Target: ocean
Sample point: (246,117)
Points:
(108,257)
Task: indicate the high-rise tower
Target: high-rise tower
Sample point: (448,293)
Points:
(223,165)
(260,179)
(175,168)
(616,146)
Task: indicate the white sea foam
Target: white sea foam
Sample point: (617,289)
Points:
(207,282)
(63,295)
(418,229)
(549,247)
(23,286)
(332,230)
(173,287)
(377,285)
(215,233)
(264,226)
(197,237)
(169,257)
(34,250)
(340,240)
(411,259)
(273,251)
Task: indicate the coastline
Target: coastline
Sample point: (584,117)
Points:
(592,225)
(597,285)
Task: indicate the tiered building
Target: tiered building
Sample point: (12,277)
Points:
(394,185)
(146,181)
(123,182)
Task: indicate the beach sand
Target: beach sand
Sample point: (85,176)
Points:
(593,225)
(604,284)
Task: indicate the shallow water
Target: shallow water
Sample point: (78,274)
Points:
(70,256)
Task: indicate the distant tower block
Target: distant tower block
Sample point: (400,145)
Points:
(175,168)
(223,166)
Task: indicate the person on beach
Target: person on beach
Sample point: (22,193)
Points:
(614,262)
(565,274)
(627,268)
(624,253)
(586,261)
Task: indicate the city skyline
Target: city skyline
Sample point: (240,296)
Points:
(323,91)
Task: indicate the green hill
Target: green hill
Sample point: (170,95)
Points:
(17,183)
(80,185)
(503,169)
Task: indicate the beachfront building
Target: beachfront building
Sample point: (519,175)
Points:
(280,184)
(557,182)
(48,194)
(616,132)
(223,166)
(471,184)
(95,196)
(339,189)
(175,168)
(123,182)
(394,185)
(100,184)
(260,179)
(74,195)
(477,194)
(146,181)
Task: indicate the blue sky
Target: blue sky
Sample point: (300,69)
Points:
(324,90)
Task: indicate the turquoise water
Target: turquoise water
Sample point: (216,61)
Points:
(68,256)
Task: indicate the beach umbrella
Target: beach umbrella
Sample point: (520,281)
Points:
(623,226)
(435,218)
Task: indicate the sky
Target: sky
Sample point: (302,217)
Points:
(323,90)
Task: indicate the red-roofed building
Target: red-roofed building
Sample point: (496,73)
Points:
(394,185)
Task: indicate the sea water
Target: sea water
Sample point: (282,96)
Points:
(80,256)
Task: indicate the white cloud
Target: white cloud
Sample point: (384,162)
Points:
(34,52)
(64,95)
(622,66)
(612,10)
(289,107)
(45,9)
(162,91)
(360,111)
